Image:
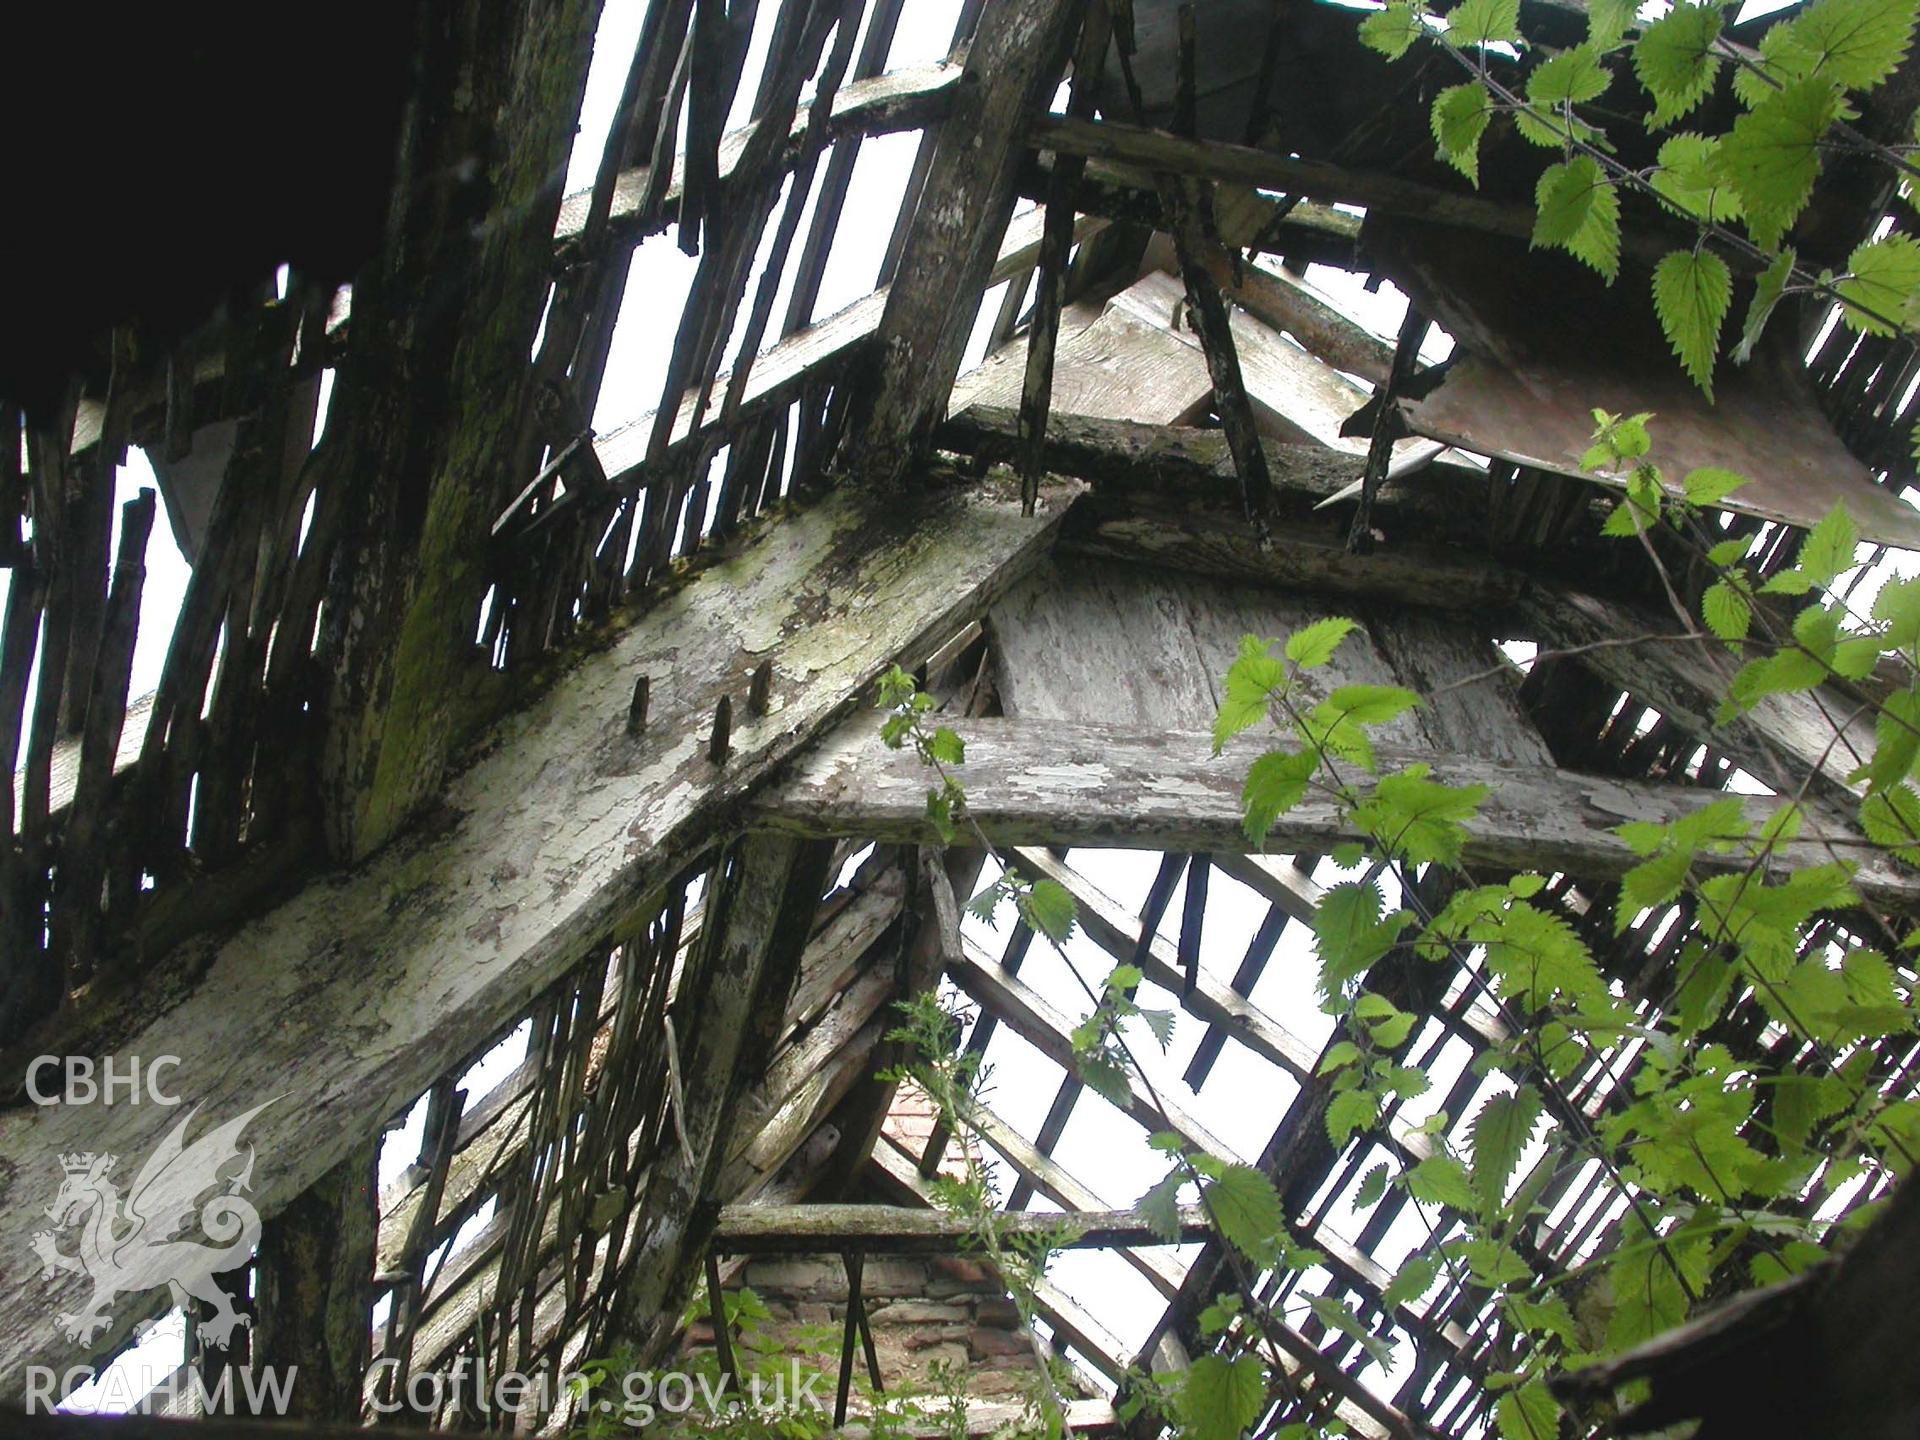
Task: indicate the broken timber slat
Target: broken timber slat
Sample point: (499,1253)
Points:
(1062,783)
(361,989)
(909,1230)
(950,246)
(737,985)
(778,372)
(1686,682)
(897,100)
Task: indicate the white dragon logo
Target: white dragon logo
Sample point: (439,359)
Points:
(133,1245)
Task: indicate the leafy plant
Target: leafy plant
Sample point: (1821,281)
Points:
(1741,190)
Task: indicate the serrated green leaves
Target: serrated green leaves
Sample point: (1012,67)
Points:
(1484,22)
(1676,61)
(1393,30)
(1771,157)
(1829,548)
(1572,77)
(1219,1398)
(1883,277)
(1710,485)
(1607,21)
(1727,611)
(1692,290)
(1160,1206)
(1253,679)
(1500,1133)
(1417,818)
(1528,1413)
(1246,1207)
(1767,292)
(1048,908)
(1350,933)
(1853,43)
(1414,1278)
(1314,645)
(1578,211)
(1460,117)
(1275,783)
(1688,178)
(1442,1180)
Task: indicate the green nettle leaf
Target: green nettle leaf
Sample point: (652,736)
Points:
(1656,882)
(1579,212)
(1856,43)
(1535,953)
(1692,290)
(1372,704)
(1780,62)
(1771,157)
(1393,30)
(1350,933)
(1460,117)
(1676,61)
(1373,1185)
(1221,1398)
(1500,1132)
(1252,680)
(1246,1207)
(1338,1315)
(1484,22)
(1607,21)
(1415,1278)
(947,747)
(1442,1180)
(1891,817)
(1275,783)
(1710,485)
(1829,547)
(1883,276)
(1550,1316)
(1160,1206)
(1160,1023)
(1420,818)
(1688,179)
(1767,291)
(1727,611)
(1313,646)
(1572,77)
(1050,910)
(1528,1413)
(1349,1111)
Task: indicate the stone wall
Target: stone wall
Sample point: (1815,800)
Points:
(936,1320)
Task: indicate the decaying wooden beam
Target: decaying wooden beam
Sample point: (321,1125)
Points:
(314,1286)
(1061,783)
(949,250)
(730,1006)
(907,1230)
(1780,740)
(1163,152)
(363,988)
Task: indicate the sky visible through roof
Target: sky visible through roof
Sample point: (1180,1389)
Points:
(1244,1095)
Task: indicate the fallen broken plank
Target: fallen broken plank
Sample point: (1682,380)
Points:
(340,1006)
(1059,783)
(912,1230)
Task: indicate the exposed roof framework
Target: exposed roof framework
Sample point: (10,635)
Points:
(486,722)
